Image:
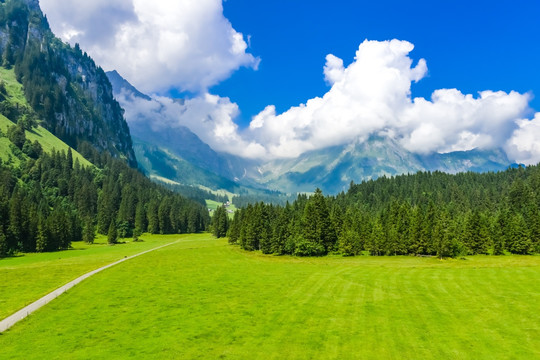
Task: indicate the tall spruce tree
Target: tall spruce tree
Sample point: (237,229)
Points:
(112,234)
(519,241)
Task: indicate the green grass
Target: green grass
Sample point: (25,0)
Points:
(204,299)
(211,204)
(27,277)
(13,87)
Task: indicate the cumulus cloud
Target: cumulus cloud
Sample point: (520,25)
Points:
(210,117)
(372,96)
(157,45)
(524,145)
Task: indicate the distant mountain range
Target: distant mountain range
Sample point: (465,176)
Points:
(181,156)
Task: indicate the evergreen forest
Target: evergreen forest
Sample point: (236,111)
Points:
(425,214)
(50,200)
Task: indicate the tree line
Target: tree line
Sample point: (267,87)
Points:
(433,214)
(49,200)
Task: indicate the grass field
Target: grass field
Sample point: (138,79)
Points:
(204,299)
(26,278)
(213,205)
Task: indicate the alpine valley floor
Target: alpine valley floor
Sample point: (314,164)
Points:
(202,298)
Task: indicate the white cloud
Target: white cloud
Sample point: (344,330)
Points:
(461,122)
(524,145)
(373,95)
(210,117)
(157,45)
(333,70)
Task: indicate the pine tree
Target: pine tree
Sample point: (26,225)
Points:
(112,235)
(265,230)
(441,236)
(140,218)
(316,223)
(3,243)
(477,233)
(376,240)
(499,233)
(349,243)
(89,232)
(152,215)
(220,222)
(235,227)
(282,230)
(519,241)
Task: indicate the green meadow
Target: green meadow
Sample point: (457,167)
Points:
(204,299)
(26,278)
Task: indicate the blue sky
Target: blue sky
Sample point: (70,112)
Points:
(468,45)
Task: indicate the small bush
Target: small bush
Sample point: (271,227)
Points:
(307,248)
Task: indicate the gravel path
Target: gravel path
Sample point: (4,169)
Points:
(21,314)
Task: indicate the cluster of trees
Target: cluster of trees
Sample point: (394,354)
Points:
(266,196)
(220,222)
(423,214)
(50,201)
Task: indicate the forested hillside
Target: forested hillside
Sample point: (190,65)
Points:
(49,200)
(422,214)
(64,87)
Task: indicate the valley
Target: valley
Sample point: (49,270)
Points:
(262,215)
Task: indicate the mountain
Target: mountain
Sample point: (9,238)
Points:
(332,169)
(63,85)
(174,153)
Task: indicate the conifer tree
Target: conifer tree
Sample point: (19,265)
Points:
(42,236)
(112,235)
(140,218)
(499,232)
(376,240)
(282,230)
(234,229)
(89,232)
(3,243)
(441,236)
(519,241)
(220,222)
(316,222)
(349,243)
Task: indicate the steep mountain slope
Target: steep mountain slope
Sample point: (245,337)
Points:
(161,164)
(174,153)
(12,96)
(63,85)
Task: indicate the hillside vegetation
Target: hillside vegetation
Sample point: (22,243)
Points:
(51,196)
(62,85)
